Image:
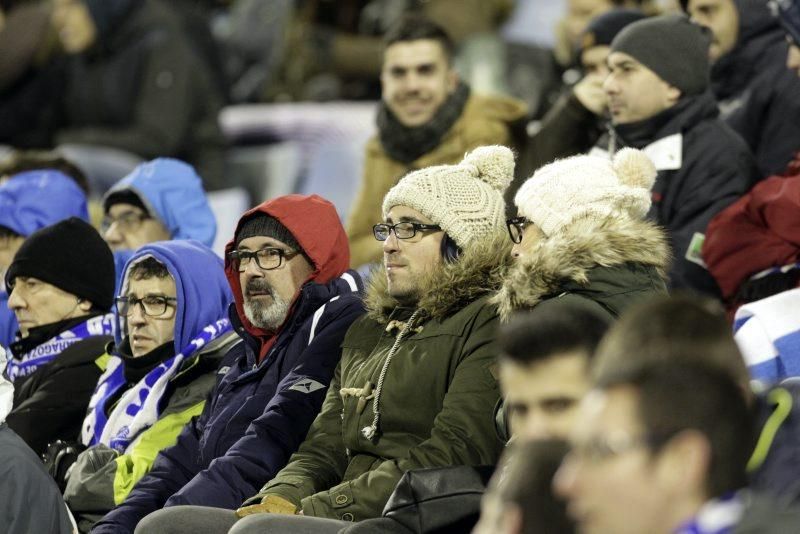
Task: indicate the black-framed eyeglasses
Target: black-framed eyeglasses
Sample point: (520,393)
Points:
(267,258)
(151,305)
(402,230)
(130,221)
(516,227)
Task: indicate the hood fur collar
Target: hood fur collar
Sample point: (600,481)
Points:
(478,272)
(570,255)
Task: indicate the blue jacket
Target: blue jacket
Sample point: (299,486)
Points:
(30,201)
(259,413)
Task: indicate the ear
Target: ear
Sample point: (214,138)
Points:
(685,462)
(452,79)
(673,94)
(84,305)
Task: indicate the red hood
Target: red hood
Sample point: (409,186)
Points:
(315,225)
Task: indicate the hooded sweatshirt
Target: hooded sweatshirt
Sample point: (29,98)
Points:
(24,479)
(30,201)
(757,94)
(101,478)
(270,388)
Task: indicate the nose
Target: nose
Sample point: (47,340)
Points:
(113,236)
(252,269)
(610,84)
(392,244)
(564,481)
(536,426)
(136,315)
(15,300)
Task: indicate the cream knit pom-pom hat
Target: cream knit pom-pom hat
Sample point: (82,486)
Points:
(466,200)
(587,186)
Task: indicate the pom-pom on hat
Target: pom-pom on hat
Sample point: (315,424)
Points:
(587,187)
(466,200)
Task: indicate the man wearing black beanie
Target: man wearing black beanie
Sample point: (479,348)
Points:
(61,286)
(659,101)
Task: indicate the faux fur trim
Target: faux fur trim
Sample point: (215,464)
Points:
(572,253)
(478,272)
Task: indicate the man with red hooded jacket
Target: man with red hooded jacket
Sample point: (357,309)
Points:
(294,301)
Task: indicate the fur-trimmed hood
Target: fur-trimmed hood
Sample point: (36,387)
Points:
(570,259)
(478,272)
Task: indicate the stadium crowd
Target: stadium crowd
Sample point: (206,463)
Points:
(555,290)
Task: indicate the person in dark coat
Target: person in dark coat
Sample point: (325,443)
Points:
(294,301)
(24,479)
(757,94)
(135,83)
(660,103)
(61,286)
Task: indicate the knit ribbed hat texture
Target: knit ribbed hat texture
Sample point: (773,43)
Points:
(263,225)
(70,255)
(587,187)
(466,200)
(673,47)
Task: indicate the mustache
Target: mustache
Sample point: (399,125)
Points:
(258,286)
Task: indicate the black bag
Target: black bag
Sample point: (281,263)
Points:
(59,457)
(441,500)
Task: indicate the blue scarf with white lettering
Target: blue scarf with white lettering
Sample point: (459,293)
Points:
(140,406)
(719,516)
(27,363)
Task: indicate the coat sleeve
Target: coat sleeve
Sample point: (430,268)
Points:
(272,438)
(163,110)
(463,434)
(101,479)
(173,468)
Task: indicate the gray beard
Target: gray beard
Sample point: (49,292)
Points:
(266,316)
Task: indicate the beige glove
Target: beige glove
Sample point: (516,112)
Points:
(271,504)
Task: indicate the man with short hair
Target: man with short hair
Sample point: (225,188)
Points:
(415,387)
(161,199)
(29,201)
(172,335)
(757,95)
(427,117)
(663,449)
(545,356)
(293,302)
(659,102)
(61,284)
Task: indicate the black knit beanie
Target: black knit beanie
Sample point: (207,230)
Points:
(70,255)
(264,225)
(602,29)
(673,47)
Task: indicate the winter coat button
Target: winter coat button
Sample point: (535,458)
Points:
(347,516)
(341,499)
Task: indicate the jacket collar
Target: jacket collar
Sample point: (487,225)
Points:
(570,257)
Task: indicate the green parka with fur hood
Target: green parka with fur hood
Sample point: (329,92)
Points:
(436,401)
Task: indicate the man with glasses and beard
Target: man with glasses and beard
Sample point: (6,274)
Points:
(293,302)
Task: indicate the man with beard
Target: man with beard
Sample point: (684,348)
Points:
(757,94)
(293,303)
(427,117)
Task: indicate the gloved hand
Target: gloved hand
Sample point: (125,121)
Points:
(271,504)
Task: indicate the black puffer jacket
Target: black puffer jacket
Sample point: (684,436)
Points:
(757,94)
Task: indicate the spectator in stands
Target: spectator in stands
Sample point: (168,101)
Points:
(684,328)
(577,120)
(520,499)
(660,103)
(580,236)
(61,285)
(545,354)
(427,117)
(135,84)
(757,95)
(172,333)
(663,449)
(24,479)
(161,199)
(293,302)
(429,328)
(19,161)
(29,201)
(789,17)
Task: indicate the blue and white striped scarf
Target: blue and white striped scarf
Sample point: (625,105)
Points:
(718,516)
(26,364)
(139,407)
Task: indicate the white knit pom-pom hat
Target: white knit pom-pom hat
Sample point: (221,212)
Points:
(587,186)
(466,200)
